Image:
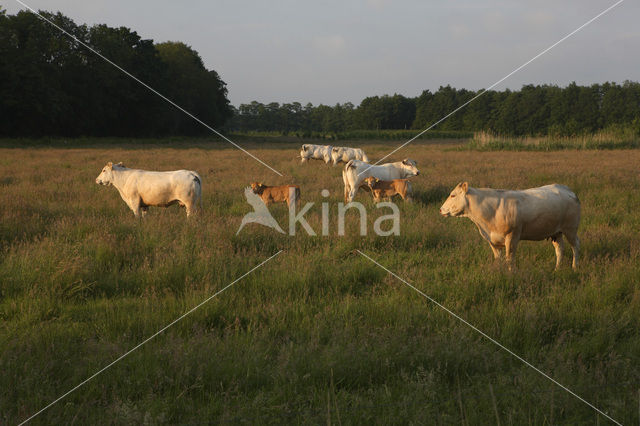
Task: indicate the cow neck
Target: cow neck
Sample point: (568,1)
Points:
(119,179)
(475,206)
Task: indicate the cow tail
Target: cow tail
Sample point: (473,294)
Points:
(198,187)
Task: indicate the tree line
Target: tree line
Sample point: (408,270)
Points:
(532,110)
(50,85)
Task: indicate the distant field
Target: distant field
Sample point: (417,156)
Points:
(359,135)
(319,334)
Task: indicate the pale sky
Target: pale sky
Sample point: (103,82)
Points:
(340,51)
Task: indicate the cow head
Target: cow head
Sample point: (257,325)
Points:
(106,176)
(409,167)
(457,202)
(257,187)
(336,153)
(371,182)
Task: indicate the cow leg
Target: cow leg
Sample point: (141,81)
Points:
(134,205)
(144,210)
(354,189)
(496,252)
(558,244)
(190,208)
(511,244)
(574,241)
(352,194)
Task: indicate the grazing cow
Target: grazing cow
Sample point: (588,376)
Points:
(341,154)
(388,188)
(355,172)
(315,152)
(141,188)
(506,217)
(277,194)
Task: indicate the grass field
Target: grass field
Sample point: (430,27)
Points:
(319,334)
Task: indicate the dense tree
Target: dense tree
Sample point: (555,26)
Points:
(52,85)
(194,88)
(532,110)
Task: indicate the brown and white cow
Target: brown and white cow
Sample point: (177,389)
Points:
(277,194)
(385,189)
(355,172)
(141,188)
(504,218)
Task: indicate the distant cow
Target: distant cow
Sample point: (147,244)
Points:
(141,189)
(342,154)
(355,172)
(506,217)
(385,189)
(315,152)
(277,194)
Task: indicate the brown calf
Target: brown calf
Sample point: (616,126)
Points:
(388,188)
(277,194)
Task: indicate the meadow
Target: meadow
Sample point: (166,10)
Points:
(319,334)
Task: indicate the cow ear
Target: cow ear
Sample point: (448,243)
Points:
(120,164)
(404,161)
(465,187)
(110,164)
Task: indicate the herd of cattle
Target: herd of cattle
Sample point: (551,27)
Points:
(503,217)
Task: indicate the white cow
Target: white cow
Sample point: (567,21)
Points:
(315,152)
(141,189)
(506,217)
(355,172)
(343,154)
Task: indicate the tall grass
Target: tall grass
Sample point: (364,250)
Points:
(319,334)
(612,138)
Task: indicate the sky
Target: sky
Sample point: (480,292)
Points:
(343,51)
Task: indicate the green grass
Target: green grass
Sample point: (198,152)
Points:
(319,334)
(614,138)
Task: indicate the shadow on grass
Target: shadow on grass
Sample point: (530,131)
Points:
(607,249)
(434,195)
